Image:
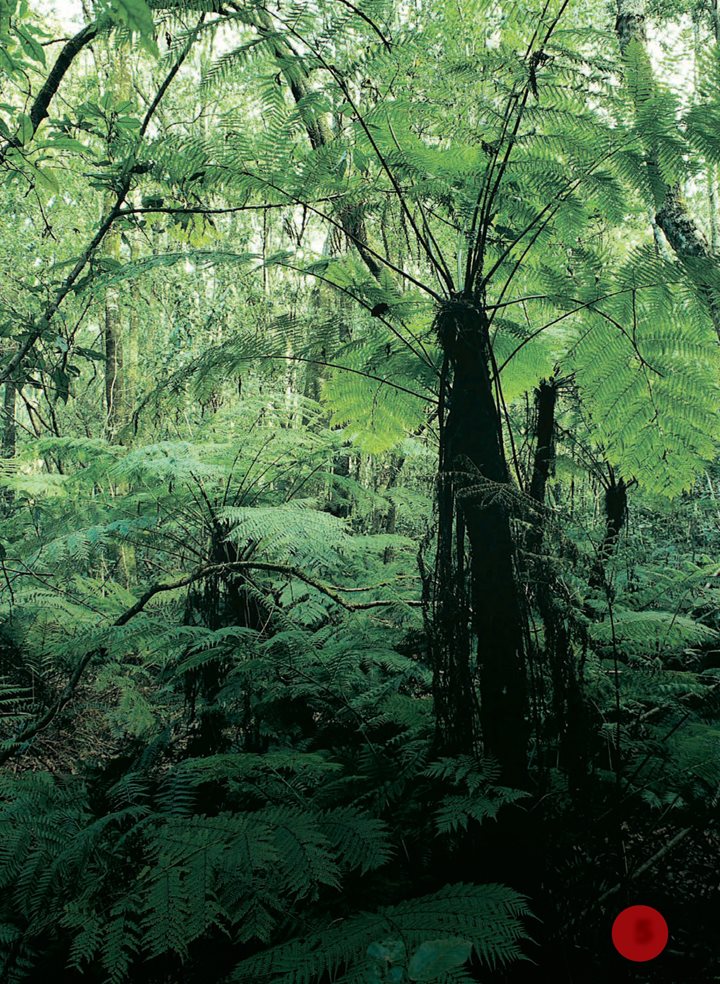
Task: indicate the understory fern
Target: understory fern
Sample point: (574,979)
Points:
(488,917)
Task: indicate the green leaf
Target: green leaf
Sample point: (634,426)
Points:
(32,49)
(137,17)
(25,128)
(387,951)
(435,958)
(47,180)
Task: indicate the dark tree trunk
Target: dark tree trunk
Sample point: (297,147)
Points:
(544,457)
(479,603)
(545,401)
(220,602)
(616,507)
(565,723)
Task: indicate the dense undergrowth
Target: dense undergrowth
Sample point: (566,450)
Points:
(359,490)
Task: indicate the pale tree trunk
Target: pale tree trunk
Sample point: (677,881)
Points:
(686,238)
(114,380)
(714,205)
(9,432)
(319,134)
(113,63)
(712,168)
(114,333)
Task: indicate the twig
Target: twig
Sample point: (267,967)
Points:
(31,730)
(650,863)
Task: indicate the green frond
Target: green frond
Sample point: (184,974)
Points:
(486,915)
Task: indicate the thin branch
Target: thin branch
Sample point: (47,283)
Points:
(338,225)
(31,730)
(431,238)
(39,108)
(586,305)
(650,863)
(422,355)
(239,565)
(439,265)
(369,21)
(356,372)
(41,324)
(475,267)
(203,210)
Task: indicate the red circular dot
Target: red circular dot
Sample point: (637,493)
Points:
(640,933)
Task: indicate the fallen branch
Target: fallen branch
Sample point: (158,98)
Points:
(650,863)
(31,730)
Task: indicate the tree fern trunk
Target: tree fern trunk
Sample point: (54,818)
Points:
(565,726)
(616,507)
(545,400)
(477,601)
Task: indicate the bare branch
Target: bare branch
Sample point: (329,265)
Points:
(332,592)
(40,324)
(39,108)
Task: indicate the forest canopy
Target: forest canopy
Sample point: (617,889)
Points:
(359,481)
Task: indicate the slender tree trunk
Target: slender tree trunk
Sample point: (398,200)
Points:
(545,402)
(616,509)
(114,377)
(566,723)
(9,432)
(686,238)
(116,69)
(714,206)
(476,600)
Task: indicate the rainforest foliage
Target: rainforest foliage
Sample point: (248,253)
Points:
(359,489)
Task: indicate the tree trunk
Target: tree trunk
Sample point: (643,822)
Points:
(114,380)
(545,401)
(686,238)
(565,725)
(115,66)
(616,507)
(318,131)
(478,604)
(9,433)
